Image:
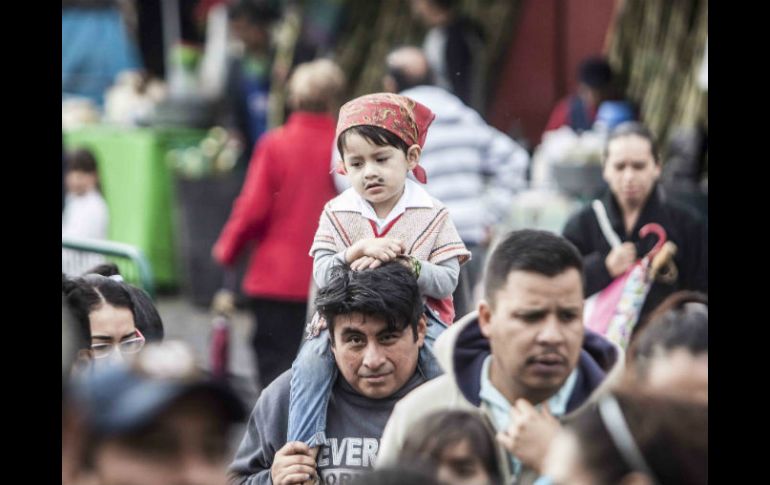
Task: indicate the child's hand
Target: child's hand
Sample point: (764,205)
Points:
(365,262)
(382,249)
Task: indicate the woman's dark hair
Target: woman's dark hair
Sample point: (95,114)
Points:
(379,136)
(427,442)
(671,435)
(630,128)
(389,292)
(89,292)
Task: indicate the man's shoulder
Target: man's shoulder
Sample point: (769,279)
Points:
(434,395)
(275,397)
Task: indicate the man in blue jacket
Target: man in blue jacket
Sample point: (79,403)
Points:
(525,348)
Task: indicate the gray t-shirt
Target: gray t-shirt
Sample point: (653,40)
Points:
(354,428)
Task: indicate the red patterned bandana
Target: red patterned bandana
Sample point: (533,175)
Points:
(402,116)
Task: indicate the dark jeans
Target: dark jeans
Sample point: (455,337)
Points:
(278,334)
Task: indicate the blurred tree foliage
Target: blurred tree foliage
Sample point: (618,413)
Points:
(370,29)
(657,48)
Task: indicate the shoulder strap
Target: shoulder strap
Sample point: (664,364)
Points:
(604,224)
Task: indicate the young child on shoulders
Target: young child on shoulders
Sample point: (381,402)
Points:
(383,216)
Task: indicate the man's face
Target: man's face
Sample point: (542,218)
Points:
(535,331)
(630,170)
(375,361)
(187,445)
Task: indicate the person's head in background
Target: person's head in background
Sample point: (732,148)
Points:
(594,80)
(250,22)
(632,438)
(157,421)
(117,317)
(434,13)
(631,165)
(456,446)
(670,352)
(316,87)
(82,172)
(407,67)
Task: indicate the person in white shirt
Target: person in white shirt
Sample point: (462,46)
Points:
(85,211)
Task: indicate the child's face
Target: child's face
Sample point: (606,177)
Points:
(79,182)
(459,464)
(377,173)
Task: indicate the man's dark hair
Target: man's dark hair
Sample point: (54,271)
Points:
(681,321)
(81,160)
(532,250)
(630,128)
(389,292)
(595,73)
(379,136)
(257,12)
(406,81)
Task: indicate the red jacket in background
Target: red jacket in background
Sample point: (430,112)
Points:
(287,184)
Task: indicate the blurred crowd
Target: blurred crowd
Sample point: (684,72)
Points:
(404,332)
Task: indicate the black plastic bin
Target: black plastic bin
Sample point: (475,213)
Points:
(203,207)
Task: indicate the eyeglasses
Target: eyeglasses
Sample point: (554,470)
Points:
(130,346)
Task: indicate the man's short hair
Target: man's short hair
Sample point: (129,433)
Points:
(389,292)
(532,250)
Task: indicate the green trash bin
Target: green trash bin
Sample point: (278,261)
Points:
(138,187)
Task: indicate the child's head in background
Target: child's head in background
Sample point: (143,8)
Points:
(82,174)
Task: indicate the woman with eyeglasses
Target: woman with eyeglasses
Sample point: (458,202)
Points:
(632,438)
(119,318)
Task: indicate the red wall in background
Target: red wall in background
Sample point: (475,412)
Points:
(551,38)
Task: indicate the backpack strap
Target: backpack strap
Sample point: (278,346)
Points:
(604,224)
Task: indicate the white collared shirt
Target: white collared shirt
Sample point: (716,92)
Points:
(413,196)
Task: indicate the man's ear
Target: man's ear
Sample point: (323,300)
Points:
(422,329)
(485,318)
(413,156)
